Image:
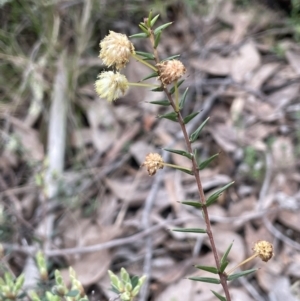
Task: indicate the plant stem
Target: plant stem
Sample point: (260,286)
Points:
(223,277)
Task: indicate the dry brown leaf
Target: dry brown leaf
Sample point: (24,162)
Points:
(245,62)
(262,110)
(140,149)
(223,239)
(252,236)
(290,219)
(262,74)
(283,153)
(167,271)
(127,190)
(284,96)
(104,127)
(281,290)
(180,290)
(239,20)
(294,60)
(78,232)
(173,185)
(29,138)
(240,65)
(239,295)
(225,136)
(214,64)
(81,137)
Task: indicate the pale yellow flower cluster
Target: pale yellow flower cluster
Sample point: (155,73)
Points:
(153,162)
(115,52)
(111,85)
(264,250)
(170,71)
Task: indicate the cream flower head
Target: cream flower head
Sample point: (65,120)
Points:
(264,250)
(110,85)
(170,71)
(116,50)
(153,162)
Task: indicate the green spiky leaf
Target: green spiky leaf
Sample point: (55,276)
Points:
(179,152)
(147,55)
(184,169)
(134,281)
(171,116)
(194,136)
(225,255)
(203,164)
(164,102)
(210,269)
(189,230)
(154,19)
(72,293)
(171,58)
(218,296)
(157,39)
(193,204)
(149,19)
(215,195)
(223,266)
(162,27)
(172,90)
(158,89)
(183,98)
(139,35)
(206,279)
(240,274)
(188,118)
(154,74)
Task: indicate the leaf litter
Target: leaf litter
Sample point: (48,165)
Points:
(103,190)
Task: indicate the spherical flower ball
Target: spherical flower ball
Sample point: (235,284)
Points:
(116,50)
(110,85)
(170,71)
(153,162)
(264,250)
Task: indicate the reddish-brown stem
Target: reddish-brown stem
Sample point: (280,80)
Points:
(223,277)
(202,198)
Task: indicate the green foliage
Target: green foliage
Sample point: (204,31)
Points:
(295,19)
(206,279)
(12,288)
(179,152)
(192,204)
(194,136)
(254,163)
(215,195)
(205,163)
(171,116)
(189,230)
(224,262)
(127,288)
(210,269)
(188,118)
(241,274)
(219,296)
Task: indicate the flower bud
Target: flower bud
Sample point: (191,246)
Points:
(170,71)
(153,162)
(264,250)
(116,50)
